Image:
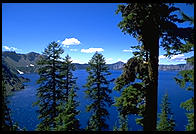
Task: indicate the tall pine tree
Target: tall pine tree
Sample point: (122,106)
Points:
(166,122)
(67,79)
(123,123)
(50,93)
(187,78)
(150,22)
(132,99)
(66,120)
(98,91)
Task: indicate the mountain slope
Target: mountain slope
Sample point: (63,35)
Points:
(20,63)
(11,80)
(116,66)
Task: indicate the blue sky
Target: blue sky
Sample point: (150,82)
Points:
(81,28)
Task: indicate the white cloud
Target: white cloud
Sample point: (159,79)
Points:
(127,50)
(176,58)
(6,47)
(179,57)
(70,41)
(74,50)
(92,50)
(11,48)
(162,57)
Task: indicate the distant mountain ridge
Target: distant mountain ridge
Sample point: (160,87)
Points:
(20,63)
(178,67)
(27,63)
(119,66)
(115,66)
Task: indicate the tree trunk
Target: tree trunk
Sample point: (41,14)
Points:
(151,42)
(67,86)
(54,91)
(99,100)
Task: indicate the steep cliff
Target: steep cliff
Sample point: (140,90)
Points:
(11,80)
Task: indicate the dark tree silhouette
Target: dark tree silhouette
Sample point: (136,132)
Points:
(150,22)
(98,92)
(50,93)
(66,120)
(187,78)
(7,124)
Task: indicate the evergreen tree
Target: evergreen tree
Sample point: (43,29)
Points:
(115,127)
(98,92)
(50,93)
(67,80)
(187,77)
(66,120)
(132,99)
(149,22)
(123,121)
(166,122)
(188,105)
(7,124)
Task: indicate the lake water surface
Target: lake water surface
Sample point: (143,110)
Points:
(25,114)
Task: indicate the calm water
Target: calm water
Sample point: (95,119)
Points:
(25,114)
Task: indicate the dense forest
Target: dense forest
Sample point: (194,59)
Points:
(57,91)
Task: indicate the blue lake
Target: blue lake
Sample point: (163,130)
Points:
(25,114)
